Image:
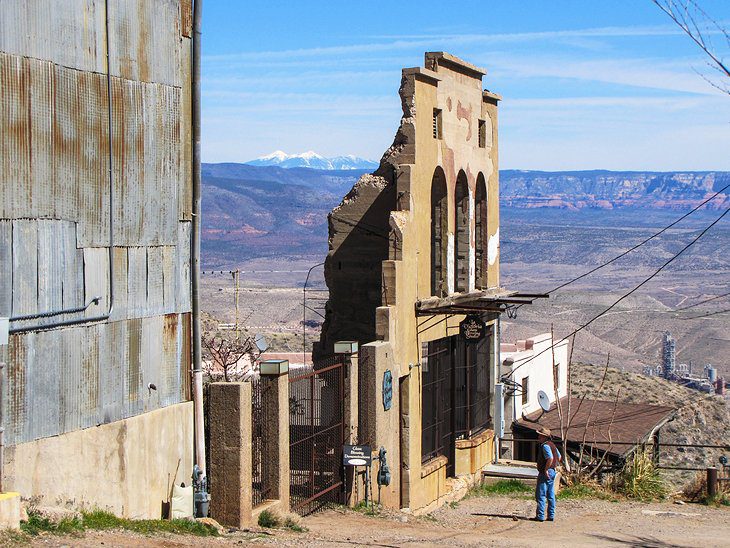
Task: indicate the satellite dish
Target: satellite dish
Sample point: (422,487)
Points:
(261,343)
(544,401)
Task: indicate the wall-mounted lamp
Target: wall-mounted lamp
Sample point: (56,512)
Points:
(346,347)
(274,367)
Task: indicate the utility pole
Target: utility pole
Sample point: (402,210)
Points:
(236,274)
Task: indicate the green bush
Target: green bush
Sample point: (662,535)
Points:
(269,519)
(37,524)
(586,491)
(501,487)
(640,478)
(293,525)
(100,520)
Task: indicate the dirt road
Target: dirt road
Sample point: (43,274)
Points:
(494,521)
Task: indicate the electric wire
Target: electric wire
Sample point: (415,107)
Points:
(702,302)
(708,314)
(629,293)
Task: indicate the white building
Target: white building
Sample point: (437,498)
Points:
(529,366)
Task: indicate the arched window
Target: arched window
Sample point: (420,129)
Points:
(481,233)
(439,232)
(461,237)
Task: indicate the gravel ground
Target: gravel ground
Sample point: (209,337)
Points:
(493,521)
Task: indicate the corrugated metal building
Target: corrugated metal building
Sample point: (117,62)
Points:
(95,209)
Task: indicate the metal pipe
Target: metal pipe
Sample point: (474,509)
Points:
(94,300)
(711,483)
(195,244)
(304,315)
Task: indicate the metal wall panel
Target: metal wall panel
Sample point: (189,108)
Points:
(6,267)
(96,279)
(25,267)
(54,208)
(155,285)
(72,275)
(144,35)
(184,303)
(54,159)
(136,281)
(146,163)
(79,377)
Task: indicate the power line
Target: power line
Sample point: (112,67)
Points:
(703,302)
(708,315)
(625,295)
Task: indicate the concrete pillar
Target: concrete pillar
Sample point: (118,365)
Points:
(275,407)
(381,427)
(231,453)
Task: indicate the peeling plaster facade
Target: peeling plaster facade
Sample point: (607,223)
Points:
(381,263)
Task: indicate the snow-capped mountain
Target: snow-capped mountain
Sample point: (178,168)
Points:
(313,160)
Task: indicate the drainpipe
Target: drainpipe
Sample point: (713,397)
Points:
(197,372)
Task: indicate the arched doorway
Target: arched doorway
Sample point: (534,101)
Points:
(461,236)
(439,233)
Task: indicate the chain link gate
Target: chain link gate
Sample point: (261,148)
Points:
(316,435)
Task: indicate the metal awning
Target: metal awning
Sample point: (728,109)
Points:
(490,300)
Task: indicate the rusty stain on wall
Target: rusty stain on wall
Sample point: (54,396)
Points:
(55,208)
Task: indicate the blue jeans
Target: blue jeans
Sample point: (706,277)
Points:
(544,490)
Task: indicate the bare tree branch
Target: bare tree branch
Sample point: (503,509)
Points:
(685,14)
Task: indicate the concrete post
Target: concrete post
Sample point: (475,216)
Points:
(275,406)
(231,453)
(380,427)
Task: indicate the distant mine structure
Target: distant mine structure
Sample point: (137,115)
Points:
(707,382)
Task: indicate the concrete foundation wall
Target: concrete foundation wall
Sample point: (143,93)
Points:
(125,467)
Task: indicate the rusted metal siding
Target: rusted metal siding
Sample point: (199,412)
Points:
(55,209)
(65,379)
(144,36)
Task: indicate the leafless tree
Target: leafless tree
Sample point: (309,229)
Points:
(699,26)
(223,356)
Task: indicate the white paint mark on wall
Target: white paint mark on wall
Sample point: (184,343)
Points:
(472,237)
(493,248)
(450,265)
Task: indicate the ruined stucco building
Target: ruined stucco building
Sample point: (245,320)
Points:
(96,209)
(414,248)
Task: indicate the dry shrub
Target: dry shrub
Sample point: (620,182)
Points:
(640,478)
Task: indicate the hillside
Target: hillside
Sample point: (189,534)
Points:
(269,211)
(700,418)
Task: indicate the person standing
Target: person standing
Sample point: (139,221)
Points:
(548,458)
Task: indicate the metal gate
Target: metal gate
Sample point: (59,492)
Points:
(316,435)
(261,476)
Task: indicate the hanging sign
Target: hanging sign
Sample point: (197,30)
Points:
(356,455)
(387,390)
(472,328)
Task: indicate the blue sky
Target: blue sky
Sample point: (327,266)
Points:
(586,84)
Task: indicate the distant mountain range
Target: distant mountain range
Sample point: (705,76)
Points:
(602,189)
(313,160)
(251,211)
